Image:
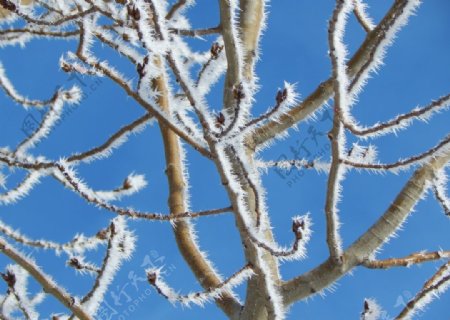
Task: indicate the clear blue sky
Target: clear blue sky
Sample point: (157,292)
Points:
(294,49)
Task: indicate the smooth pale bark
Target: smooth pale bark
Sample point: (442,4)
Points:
(44,280)
(325,90)
(240,68)
(183,230)
(324,275)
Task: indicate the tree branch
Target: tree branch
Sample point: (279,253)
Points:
(325,90)
(414,258)
(328,272)
(44,280)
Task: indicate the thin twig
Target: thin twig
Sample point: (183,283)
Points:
(443,144)
(196,32)
(47,283)
(177,6)
(411,259)
(424,296)
(154,278)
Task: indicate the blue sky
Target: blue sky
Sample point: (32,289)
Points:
(294,49)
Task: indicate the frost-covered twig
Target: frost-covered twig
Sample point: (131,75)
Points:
(381,231)
(318,165)
(265,270)
(284,99)
(17,297)
(82,266)
(86,193)
(27,31)
(215,54)
(198,298)
(181,75)
(374,45)
(23,189)
(429,291)
(79,244)
(132,184)
(407,261)
(361,15)
(121,244)
(280,97)
(116,140)
(253,185)
(176,7)
(338,54)
(119,45)
(49,285)
(444,269)
(105,69)
(50,119)
(9,89)
(196,32)
(301,227)
(441,148)
(440,190)
(383,40)
(233,50)
(66,19)
(401,121)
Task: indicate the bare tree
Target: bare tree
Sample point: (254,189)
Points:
(171,83)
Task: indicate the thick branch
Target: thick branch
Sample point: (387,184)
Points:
(328,272)
(183,230)
(44,280)
(325,90)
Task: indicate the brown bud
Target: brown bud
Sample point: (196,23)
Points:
(66,67)
(215,50)
(220,120)
(297,227)
(74,263)
(133,12)
(8,5)
(67,95)
(127,184)
(10,278)
(330,136)
(151,278)
(366,306)
(140,70)
(238,92)
(102,234)
(281,96)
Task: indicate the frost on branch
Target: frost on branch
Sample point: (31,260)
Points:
(175,83)
(154,277)
(17,297)
(433,288)
(440,190)
(372,310)
(23,189)
(121,245)
(78,245)
(131,185)
(338,53)
(360,11)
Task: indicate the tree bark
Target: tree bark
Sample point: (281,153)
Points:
(183,229)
